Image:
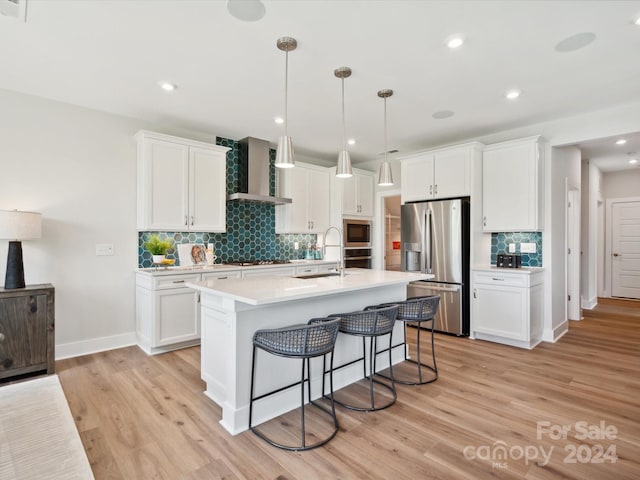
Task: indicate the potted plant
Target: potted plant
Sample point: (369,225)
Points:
(158,248)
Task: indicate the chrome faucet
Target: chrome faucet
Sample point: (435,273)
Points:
(340,265)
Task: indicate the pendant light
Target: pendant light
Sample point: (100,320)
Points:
(385,179)
(344,161)
(284,152)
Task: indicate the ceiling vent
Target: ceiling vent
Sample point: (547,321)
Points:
(14,8)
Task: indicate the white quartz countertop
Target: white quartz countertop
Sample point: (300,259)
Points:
(161,270)
(521,270)
(276,289)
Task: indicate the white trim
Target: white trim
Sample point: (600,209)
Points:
(94,345)
(378,246)
(589,304)
(555,334)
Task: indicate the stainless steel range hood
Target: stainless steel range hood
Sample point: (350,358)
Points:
(254,160)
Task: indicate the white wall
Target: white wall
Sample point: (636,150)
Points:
(591,245)
(78,168)
(622,184)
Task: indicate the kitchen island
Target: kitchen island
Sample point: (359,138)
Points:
(233,309)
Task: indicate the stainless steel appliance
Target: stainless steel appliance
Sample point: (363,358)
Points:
(357,258)
(435,239)
(357,233)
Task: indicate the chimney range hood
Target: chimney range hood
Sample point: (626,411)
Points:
(254,173)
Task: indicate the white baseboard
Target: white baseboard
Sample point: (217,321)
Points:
(590,303)
(555,334)
(94,345)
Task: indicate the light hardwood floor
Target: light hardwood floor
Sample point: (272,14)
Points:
(143,417)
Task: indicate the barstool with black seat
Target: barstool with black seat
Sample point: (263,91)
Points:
(416,310)
(370,324)
(305,341)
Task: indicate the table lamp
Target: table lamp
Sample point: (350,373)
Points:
(16,226)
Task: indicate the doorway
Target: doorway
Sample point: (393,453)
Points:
(392,256)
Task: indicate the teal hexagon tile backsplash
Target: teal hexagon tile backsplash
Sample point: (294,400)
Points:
(500,244)
(250,231)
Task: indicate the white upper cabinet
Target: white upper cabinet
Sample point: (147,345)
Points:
(181,184)
(444,173)
(357,193)
(308,186)
(511,181)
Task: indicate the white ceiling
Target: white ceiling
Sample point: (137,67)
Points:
(609,156)
(109,55)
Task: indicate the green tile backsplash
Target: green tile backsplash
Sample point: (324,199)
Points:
(250,231)
(500,243)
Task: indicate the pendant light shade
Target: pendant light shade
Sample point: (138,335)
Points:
(284,152)
(385,178)
(344,160)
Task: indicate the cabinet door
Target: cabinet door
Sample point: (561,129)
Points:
(501,311)
(318,200)
(509,188)
(365,194)
(166,166)
(207,190)
(417,178)
(349,196)
(23,322)
(177,316)
(451,173)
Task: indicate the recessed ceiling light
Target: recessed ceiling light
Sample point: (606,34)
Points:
(246,10)
(622,141)
(167,86)
(513,94)
(443,114)
(455,41)
(351,141)
(633,161)
(279,120)
(575,42)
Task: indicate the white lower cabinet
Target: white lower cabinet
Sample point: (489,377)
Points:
(507,306)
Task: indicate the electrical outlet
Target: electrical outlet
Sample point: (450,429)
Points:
(512,248)
(103,249)
(296,246)
(528,247)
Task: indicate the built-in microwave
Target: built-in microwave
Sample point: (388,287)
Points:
(357,233)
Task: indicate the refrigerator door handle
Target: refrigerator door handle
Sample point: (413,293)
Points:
(428,235)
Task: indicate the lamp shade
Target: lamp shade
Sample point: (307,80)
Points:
(385,179)
(17,225)
(344,165)
(284,153)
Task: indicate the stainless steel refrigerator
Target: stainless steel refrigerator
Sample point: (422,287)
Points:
(435,239)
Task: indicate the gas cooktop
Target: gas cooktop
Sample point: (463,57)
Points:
(248,263)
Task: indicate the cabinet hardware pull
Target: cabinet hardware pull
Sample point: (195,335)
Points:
(185,220)
(191,219)
(498,279)
(178,281)
(436,189)
(617,255)
(475,293)
(222,278)
(430,189)
(484,221)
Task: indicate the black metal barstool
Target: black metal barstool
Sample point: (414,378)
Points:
(416,310)
(372,323)
(318,338)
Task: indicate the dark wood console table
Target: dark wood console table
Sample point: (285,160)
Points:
(27,331)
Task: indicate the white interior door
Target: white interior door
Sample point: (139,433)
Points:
(625,249)
(573,255)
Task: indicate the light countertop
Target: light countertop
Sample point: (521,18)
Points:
(276,289)
(521,270)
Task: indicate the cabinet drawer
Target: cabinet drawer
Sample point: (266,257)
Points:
(174,281)
(506,279)
(222,275)
(306,269)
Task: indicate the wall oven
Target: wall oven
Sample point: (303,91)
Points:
(357,257)
(357,233)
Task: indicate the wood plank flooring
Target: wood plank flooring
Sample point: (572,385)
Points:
(143,417)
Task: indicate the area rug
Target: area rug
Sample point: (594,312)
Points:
(38,439)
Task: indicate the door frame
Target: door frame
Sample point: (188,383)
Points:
(572,215)
(379,227)
(608,216)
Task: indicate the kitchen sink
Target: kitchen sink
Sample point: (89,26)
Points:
(317,275)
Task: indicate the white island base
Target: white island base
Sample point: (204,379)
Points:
(232,310)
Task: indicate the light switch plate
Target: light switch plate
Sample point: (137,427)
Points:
(528,247)
(104,249)
(512,248)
